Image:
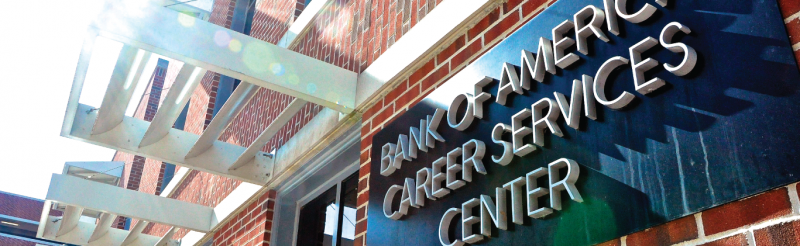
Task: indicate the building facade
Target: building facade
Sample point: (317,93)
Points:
(336,176)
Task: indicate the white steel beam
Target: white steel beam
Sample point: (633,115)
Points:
(134,234)
(127,71)
(171,149)
(102,227)
(249,155)
(72,215)
(439,27)
(177,97)
(236,102)
(185,38)
(302,24)
(164,241)
(81,234)
(82,193)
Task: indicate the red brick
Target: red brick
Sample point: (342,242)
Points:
(484,23)
(364,157)
(387,112)
(361,226)
(422,71)
(793,27)
(738,239)
(366,141)
(531,5)
(436,76)
(364,170)
(769,205)
(505,24)
(450,50)
(672,232)
(781,234)
(361,213)
(464,54)
(363,198)
(789,7)
(407,97)
(397,91)
(614,242)
(511,4)
(360,239)
(373,110)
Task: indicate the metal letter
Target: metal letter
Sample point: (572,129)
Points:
(497,137)
(424,181)
(689,54)
(387,159)
(387,203)
(431,135)
(467,220)
(465,121)
(540,122)
(572,109)
(642,15)
(568,183)
(453,168)
(444,228)
(515,186)
(438,177)
(519,131)
(472,154)
(611,17)
(509,82)
(534,69)
(534,192)
(600,84)
(562,43)
(401,151)
(480,96)
(639,66)
(583,31)
(497,214)
(416,141)
(409,196)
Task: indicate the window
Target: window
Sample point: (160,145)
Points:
(330,219)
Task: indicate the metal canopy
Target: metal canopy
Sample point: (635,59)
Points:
(86,198)
(146,29)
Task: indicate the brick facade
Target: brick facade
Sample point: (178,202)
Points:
(749,220)
(10,241)
(253,226)
(352,34)
(22,207)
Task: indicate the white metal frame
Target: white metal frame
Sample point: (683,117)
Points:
(143,28)
(82,197)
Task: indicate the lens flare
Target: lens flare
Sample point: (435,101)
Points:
(222,38)
(235,45)
(255,57)
(277,69)
(311,88)
(186,20)
(332,96)
(294,80)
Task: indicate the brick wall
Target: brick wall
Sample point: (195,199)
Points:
(10,241)
(253,226)
(349,34)
(273,17)
(771,218)
(140,173)
(22,207)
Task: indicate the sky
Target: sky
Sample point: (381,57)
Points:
(39,46)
